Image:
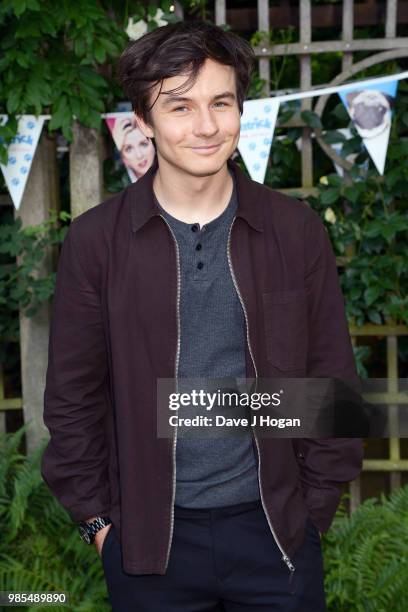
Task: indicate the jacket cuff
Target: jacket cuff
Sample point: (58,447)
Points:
(84,511)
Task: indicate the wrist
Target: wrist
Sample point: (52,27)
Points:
(90,528)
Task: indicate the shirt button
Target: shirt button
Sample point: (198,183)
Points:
(194,228)
(200,265)
(198,247)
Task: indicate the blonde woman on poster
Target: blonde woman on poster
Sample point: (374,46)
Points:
(137,152)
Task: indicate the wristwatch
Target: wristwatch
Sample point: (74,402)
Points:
(89,530)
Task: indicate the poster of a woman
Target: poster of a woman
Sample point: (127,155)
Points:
(137,152)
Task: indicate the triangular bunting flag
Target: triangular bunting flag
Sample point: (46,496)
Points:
(371,108)
(257,128)
(21,152)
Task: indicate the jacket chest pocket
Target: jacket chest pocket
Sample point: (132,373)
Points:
(285,318)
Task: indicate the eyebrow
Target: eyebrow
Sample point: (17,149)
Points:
(173,99)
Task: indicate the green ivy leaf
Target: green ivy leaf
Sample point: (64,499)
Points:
(335,180)
(355,293)
(19,6)
(61,113)
(371,294)
(100,54)
(285,116)
(3,155)
(375,317)
(330,195)
(333,137)
(13,100)
(388,232)
(311,119)
(79,47)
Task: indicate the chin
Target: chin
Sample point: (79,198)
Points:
(205,165)
(205,168)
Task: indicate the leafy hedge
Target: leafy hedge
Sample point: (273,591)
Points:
(40,548)
(366,556)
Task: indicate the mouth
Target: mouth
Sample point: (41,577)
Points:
(143,163)
(207,149)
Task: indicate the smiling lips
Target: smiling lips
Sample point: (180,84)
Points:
(207,149)
(208,146)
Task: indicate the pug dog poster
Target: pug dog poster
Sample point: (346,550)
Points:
(371,108)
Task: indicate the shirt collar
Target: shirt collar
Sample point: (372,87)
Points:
(224,217)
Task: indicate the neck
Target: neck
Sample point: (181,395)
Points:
(189,198)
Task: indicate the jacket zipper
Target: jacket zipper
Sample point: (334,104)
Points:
(285,557)
(176,381)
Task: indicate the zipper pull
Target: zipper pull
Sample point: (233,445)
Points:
(288,563)
(292,571)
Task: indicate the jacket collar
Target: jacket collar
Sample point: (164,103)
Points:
(143,206)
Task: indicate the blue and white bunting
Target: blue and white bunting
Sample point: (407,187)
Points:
(21,152)
(257,128)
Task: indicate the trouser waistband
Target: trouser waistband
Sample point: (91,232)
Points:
(181,511)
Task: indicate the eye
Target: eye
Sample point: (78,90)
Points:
(181,107)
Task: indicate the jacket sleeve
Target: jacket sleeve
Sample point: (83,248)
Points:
(325,463)
(74,463)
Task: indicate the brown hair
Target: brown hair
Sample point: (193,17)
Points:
(181,48)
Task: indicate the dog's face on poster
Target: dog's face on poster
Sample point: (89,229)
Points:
(370,110)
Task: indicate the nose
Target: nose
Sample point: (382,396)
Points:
(205,123)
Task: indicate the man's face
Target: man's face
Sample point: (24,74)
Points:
(185,125)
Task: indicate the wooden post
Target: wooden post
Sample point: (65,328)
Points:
(85,169)
(305,14)
(347,34)
(39,197)
(264,63)
(220,12)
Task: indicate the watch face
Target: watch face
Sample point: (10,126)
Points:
(84,534)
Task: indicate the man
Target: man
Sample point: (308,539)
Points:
(195,270)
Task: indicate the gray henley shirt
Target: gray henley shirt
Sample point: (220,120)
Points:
(216,471)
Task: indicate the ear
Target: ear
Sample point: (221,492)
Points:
(390,99)
(144,127)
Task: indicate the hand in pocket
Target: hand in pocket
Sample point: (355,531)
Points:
(100,538)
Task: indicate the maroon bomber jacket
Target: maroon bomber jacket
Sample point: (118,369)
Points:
(115,331)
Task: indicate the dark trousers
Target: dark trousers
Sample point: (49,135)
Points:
(221,559)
